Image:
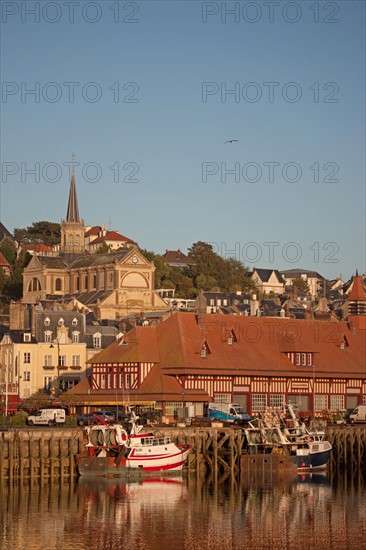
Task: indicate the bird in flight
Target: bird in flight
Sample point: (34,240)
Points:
(231,140)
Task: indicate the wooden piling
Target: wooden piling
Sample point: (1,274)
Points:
(50,452)
(37,453)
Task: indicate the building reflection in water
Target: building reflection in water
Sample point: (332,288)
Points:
(301,512)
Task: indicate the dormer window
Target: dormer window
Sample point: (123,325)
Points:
(97,340)
(47,322)
(61,322)
(27,337)
(231,338)
(344,343)
(301,359)
(75,337)
(48,336)
(74,322)
(205,350)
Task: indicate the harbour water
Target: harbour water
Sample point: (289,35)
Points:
(302,512)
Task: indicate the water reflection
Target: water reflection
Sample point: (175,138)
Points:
(301,512)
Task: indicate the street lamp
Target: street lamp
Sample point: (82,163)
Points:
(58,365)
(313,391)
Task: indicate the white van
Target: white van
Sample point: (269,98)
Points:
(47,417)
(359,414)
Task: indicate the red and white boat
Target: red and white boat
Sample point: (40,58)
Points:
(112,452)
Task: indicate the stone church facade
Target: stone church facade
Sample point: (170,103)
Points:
(110,285)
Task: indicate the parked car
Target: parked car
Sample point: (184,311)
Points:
(90,417)
(358,415)
(47,417)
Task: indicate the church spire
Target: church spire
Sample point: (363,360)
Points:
(72,229)
(73,207)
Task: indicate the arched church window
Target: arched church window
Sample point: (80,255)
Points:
(58,284)
(34,285)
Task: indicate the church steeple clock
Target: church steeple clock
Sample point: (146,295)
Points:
(72,229)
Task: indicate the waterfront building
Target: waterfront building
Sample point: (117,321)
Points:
(189,360)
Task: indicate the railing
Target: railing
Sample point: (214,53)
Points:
(63,367)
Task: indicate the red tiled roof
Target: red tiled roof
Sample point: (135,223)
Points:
(111,236)
(98,240)
(357,291)
(140,347)
(93,231)
(4,261)
(261,346)
(37,247)
(176,257)
(115,236)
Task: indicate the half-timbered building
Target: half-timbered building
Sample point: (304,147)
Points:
(190,360)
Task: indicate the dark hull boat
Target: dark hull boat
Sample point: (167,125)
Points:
(280,432)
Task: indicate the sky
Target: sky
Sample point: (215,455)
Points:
(146,93)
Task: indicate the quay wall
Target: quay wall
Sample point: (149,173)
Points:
(39,453)
(50,452)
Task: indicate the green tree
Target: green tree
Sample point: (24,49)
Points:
(67,399)
(301,285)
(162,271)
(103,249)
(3,279)
(13,289)
(211,270)
(37,400)
(45,232)
(206,261)
(237,277)
(9,250)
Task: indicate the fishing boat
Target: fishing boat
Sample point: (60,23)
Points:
(111,451)
(281,432)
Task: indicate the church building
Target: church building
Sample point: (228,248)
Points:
(109,285)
